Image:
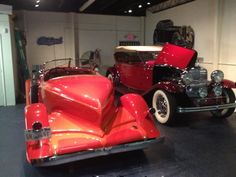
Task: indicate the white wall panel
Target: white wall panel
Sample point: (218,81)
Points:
(94,31)
(7,75)
(103,40)
(47,24)
(228,34)
(198,14)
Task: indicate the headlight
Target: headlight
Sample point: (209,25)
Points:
(202,92)
(217,90)
(187,78)
(217,76)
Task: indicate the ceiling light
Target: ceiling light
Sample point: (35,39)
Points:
(148,3)
(38,1)
(130,11)
(125,12)
(36,5)
(140,6)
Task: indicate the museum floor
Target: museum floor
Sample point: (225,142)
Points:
(197,146)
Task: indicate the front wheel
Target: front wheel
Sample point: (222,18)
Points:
(165,105)
(229,98)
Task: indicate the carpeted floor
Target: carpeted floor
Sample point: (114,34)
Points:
(196,146)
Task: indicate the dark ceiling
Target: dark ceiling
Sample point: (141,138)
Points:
(111,7)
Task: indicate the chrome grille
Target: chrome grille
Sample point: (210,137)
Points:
(197,80)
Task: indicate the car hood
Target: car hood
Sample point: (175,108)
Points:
(176,56)
(90,90)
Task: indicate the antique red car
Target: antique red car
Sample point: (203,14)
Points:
(71,115)
(171,77)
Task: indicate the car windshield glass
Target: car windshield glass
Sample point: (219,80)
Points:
(145,56)
(65,62)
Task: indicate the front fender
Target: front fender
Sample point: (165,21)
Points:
(36,113)
(229,84)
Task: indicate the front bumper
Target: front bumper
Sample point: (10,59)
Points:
(62,159)
(205,108)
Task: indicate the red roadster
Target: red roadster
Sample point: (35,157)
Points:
(173,80)
(70,115)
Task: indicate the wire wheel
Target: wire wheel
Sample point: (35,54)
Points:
(229,98)
(165,106)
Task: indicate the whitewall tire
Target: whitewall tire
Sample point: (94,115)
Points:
(165,106)
(229,98)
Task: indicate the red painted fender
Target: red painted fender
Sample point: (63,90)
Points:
(138,108)
(135,104)
(36,113)
(37,149)
(229,84)
(27,91)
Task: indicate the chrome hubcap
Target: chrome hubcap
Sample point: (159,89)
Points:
(161,106)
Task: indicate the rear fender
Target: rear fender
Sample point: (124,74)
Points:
(138,108)
(135,104)
(229,84)
(27,91)
(36,113)
(39,149)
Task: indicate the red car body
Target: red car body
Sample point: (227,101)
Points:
(74,117)
(170,74)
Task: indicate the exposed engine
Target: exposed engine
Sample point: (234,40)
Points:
(195,81)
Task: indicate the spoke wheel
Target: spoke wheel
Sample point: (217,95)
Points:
(165,105)
(229,98)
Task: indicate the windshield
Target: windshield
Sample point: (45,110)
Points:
(145,56)
(65,62)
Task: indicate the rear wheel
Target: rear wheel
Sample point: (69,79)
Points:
(165,105)
(229,98)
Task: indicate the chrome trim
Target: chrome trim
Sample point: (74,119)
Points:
(66,158)
(205,108)
(56,60)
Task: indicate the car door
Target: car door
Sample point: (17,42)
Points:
(136,73)
(140,76)
(122,66)
(146,71)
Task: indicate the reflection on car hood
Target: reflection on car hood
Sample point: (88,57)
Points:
(91,90)
(176,56)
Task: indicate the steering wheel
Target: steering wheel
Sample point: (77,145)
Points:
(56,72)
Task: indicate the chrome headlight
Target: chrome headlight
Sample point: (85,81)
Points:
(187,78)
(202,92)
(217,90)
(217,76)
